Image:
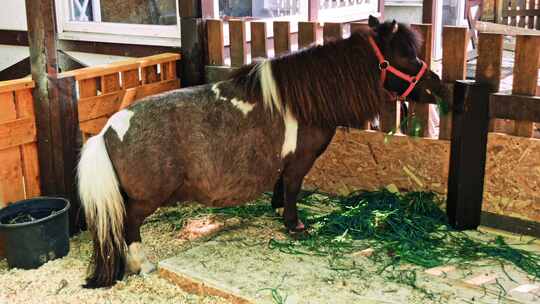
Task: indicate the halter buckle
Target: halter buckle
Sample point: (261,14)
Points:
(383,65)
(414,80)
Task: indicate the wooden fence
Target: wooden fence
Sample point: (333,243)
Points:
(104,90)
(521,13)
(94,93)
(19,169)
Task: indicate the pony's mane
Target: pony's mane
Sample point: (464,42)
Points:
(336,84)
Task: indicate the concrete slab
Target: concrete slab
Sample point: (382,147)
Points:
(240,265)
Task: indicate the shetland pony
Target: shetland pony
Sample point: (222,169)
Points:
(224,144)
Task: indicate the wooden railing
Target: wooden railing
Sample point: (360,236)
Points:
(19,168)
(104,90)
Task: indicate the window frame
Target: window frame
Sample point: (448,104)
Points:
(146,34)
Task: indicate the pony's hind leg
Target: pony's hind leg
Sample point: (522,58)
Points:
(136,260)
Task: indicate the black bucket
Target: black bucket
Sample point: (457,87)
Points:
(44,237)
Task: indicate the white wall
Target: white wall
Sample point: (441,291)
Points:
(13,15)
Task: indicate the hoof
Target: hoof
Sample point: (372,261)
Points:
(279,211)
(297,230)
(147,268)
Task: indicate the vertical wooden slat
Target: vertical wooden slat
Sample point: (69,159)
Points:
(454,62)
(488,68)
(88,87)
(30,161)
(530,21)
(307,34)
(130,79)
(521,5)
(168,70)
(526,75)
(110,83)
(11,168)
(282,37)
(238,42)
(332,31)
(214,34)
(389,118)
(420,111)
(258,40)
(513,8)
(149,74)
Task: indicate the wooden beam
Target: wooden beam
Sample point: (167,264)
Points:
(10,37)
(467,154)
(515,107)
(42,42)
(494,28)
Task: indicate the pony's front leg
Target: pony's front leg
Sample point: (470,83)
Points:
(278,197)
(292,184)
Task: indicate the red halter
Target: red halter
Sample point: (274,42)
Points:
(384,66)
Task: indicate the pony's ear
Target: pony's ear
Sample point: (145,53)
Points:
(373,21)
(394,26)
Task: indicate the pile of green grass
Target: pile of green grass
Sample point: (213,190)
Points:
(408,227)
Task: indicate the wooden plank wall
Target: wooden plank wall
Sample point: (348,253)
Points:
(104,90)
(19,169)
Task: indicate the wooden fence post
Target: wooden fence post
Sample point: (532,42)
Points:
(421,110)
(282,37)
(488,68)
(67,145)
(526,75)
(454,60)
(307,34)
(238,42)
(258,40)
(467,154)
(193,43)
(42,42)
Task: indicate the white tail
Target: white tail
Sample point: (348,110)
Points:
(100,194)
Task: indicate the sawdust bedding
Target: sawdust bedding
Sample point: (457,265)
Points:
(60,281)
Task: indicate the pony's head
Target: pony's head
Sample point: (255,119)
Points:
(400,45)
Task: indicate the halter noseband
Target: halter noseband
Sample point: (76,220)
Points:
(384,66)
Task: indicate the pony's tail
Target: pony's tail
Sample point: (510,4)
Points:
(105,212)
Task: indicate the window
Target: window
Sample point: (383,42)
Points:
(152,22)
(264,9)
(346,10)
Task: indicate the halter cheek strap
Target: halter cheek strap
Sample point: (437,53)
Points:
(384,66)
